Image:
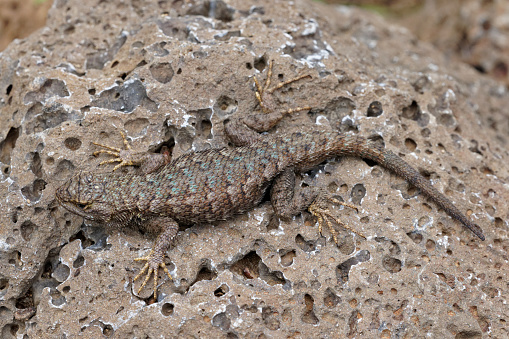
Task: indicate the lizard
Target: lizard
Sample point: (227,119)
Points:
(216,184)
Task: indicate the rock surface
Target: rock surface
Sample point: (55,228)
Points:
(169,74)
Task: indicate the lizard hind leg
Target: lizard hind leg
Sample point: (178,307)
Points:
(325,217)
(287,203)
(264,94)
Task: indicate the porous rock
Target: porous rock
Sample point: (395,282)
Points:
(169,74)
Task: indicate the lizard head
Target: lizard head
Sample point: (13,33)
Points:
(83,195)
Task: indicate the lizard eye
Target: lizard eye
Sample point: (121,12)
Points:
(82,206)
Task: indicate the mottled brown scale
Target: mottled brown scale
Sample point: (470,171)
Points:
(216,184)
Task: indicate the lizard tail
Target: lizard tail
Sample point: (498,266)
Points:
(360,147)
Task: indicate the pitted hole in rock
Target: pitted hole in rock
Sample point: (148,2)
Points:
(6,147)
(182,137)
(72,143)
(225,106)
(50,88)
(176,28)
(449,279)
(35,162)
(391,264)
(108,330)
(393,247)
(26,300)
(274,220)
(213,9)
(158,49)
(343,269)
(377,140)
(64,169)
(410,144)
(330,298)
(166,146)
(221,290)
(8,90)
(260,63)
(414,112)
(34,192)
(205,273)
(26,230)
(486,170)
(415,236)
(499,223)
(474,147)
(271,277)
(358,193)
(270,317)
(125,98)
(167,309)
(48,116)
(313,172)
(353,321)
(247,266)
(447,120)
(202,124)
(430,245)
(4,285)
(309,316)
(422,83)
(305,245)
(500,70)
(407,191)
(57,299)
(80,261)
(222,321)
(375,109)
(286,257)
(346,244)
(426,132)
(137,127)
(98,59)
(5,313)
(335,111)
(10,330)
(14,217)
(85,241)
(162,72)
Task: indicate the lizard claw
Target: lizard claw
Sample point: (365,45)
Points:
(126,157)
(263,92)
(324,216)
(154,262)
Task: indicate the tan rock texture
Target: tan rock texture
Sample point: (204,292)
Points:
(169,74)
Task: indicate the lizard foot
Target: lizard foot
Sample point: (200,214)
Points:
(324,215)
(125,157)
(154,262)
(263,93)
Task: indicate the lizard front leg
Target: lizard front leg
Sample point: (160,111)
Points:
(155,258)
(245,130)
(147,162)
